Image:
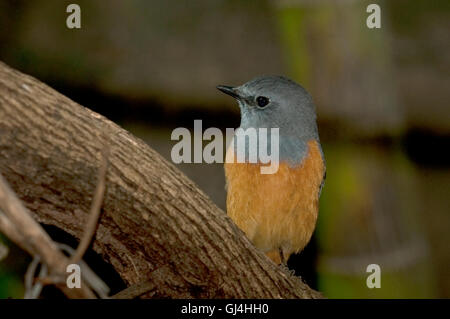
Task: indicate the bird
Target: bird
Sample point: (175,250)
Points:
(277,212)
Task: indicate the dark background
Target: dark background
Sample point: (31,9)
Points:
(382,97)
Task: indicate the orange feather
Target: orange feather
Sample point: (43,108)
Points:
(276,210)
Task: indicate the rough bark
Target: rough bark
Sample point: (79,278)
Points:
(156,225)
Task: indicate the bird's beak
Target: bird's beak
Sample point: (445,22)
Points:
(229,90)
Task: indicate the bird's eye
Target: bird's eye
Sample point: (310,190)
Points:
(262,101)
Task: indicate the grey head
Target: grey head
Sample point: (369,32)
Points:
(278,102)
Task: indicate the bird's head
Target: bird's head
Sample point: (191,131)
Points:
(278,102)
(275,102)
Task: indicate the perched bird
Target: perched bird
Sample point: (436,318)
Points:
(277,212)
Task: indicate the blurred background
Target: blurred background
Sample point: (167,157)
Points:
(382,97)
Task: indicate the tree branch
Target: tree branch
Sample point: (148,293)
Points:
(34,237)
(153,216)
(95,210)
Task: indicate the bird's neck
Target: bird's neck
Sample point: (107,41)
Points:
(291,146)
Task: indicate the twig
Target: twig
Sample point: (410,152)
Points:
(8,229)
(135,290)
(95,282)
(95,210)
(33,237)
(33,289)
(3,251)
(138,289)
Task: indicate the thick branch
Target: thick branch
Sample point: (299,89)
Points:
(156,225)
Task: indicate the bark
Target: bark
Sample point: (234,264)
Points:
(156,225)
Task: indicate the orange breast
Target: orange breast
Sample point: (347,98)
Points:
(276,210)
